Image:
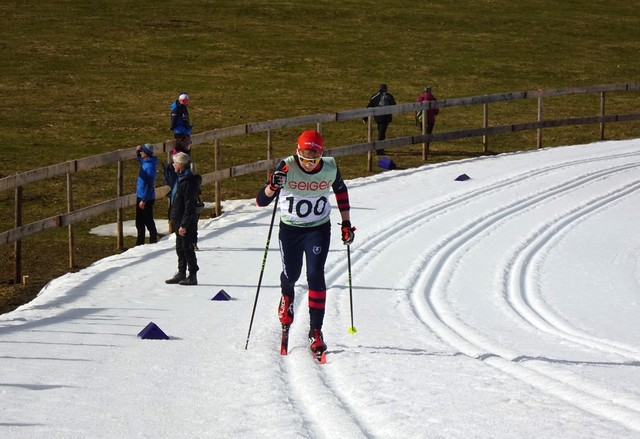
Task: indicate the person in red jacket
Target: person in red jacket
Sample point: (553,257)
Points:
(431,114)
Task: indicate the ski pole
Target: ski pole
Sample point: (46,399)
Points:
(264,261)
(352,329)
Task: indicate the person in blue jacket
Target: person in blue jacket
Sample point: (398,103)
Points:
(146,194)
(181,123)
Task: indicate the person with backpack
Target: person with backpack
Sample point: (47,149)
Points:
(181,123)
(382,98)
(303,182)
(183,215)
(431,114)
(146,194)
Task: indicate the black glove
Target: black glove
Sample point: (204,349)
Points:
(277,180)
(347,232)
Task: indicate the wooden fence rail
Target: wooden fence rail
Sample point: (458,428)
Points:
(16,182)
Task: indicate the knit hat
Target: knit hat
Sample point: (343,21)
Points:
(182,158)
(311,140)
(183,98)
(147,148)
(383,87)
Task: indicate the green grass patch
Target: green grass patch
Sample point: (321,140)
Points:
(80,78)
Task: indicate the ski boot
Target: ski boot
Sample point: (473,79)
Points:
(285,310)
(316,343)
(177,278)
(191,280)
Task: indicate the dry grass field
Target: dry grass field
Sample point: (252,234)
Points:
(81,78)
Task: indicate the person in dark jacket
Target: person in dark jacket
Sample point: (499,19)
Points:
(184,218)
(181,124)
(382,98)
(431,114)
(146,194)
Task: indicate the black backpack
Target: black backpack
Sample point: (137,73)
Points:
(169,176)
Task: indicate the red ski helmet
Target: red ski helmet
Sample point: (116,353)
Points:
(311,140)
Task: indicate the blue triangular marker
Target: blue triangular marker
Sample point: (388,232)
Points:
(152,332)
(386,163)
(462,177)
(222,295)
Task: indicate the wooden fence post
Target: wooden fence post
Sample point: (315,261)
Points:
(70,232)
(269,148)
(485,124)
(539,130)
(369,139)
(269,145)
(119,211)
(17,247)
(602,108)
(169,162)
(425,146)
(216,185)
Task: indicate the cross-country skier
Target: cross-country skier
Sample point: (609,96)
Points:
(304,181)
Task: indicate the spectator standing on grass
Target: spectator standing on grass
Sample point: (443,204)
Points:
(431,114)
(382,98)
(181,124)
(184,218)
(146,194)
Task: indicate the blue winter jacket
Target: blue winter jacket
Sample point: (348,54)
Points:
(145,189)
(180,122)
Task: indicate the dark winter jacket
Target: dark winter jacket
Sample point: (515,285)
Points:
(184,198)
(180,122)
(145,189)
(380,99)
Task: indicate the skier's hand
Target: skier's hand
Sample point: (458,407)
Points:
(347,232)
(277,180)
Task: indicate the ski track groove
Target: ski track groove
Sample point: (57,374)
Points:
(525,299)
(319,386)
(319,402)
(322,405)
(436,315)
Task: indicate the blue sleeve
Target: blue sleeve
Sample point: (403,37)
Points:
(148,175)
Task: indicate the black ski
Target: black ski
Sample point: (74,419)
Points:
(284,345)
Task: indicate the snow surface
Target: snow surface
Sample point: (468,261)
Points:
(504,306)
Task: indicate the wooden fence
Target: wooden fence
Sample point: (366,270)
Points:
(72,216)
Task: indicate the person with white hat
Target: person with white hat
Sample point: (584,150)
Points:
(181,123)
(183,215)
